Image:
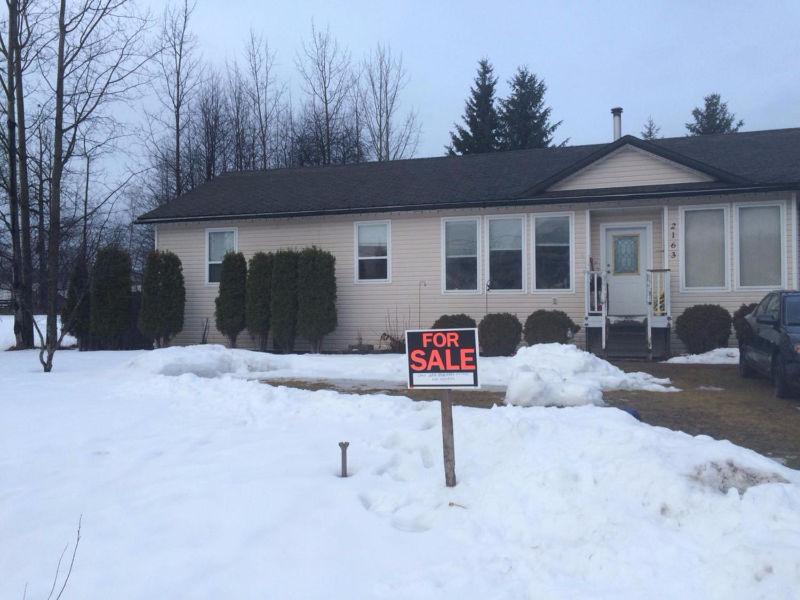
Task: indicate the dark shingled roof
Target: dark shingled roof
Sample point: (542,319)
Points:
(758,160)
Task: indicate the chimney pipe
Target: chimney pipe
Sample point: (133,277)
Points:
(617,115)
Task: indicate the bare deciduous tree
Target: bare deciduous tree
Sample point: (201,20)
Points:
(265,95)
(390,135)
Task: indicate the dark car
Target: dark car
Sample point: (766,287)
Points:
(771,347)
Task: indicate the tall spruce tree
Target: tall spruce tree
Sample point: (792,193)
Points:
(230,302)
(316,295)
(75,315)
(283,301)
(650,130)
(163,297)
(481,131)
(110,308)
(524,118)
(259,297)
(714,117)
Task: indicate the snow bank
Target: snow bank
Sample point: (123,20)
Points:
(192,487)
(718,356)
(7,339)
(541,375)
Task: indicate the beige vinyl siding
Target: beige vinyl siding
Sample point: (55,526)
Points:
(630,166)
(413,298)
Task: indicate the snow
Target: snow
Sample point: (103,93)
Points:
(718,356)
(224,487)
(545,374)
(7,339)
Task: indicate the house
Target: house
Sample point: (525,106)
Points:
(622,236)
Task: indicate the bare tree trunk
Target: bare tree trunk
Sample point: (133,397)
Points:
(26,333)
(41,302)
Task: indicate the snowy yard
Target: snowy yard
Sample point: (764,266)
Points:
(195,481)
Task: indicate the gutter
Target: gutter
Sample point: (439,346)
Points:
(560,199)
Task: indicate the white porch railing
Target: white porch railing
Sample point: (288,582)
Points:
(595,288)
(658,301)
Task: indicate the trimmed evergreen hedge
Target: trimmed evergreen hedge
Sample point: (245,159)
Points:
(459,321)
(549,326)
(230,302)
(740,326)
(163,297)
(110,298)
(704,327)
(283,301)
(76,312)
(316,295)
(259,297)
(499,334)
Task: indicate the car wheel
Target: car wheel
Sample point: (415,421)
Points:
(745,370)
(782,389)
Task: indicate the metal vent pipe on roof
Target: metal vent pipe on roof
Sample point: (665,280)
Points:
(617,115)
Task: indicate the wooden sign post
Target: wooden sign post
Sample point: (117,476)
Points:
(443,359)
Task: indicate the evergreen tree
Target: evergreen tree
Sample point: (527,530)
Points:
(75,315)
(524,118)
(316,295)
(257,304)
(480,117)
(283,301)
(650,130)
(110,298)
(229,305)
(714,117)
(163,297)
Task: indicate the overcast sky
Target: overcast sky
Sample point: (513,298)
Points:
(650,58)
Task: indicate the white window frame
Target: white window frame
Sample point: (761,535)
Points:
(726,219)
(206,261)
(481,287)
(488,252)
(571,289)
(782,208)
(388,278)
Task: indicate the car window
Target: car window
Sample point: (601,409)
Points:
(761,308)
(791,310)
(771,310)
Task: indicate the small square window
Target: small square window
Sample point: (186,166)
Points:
(220,242)
(372,251)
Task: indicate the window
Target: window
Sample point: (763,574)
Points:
(791,310)
(626,254)
(760,246)
(461,254)
(552,252)
(219,243)
(372,251)
(505,253)
(704,248)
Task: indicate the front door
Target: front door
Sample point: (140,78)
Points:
(627,258)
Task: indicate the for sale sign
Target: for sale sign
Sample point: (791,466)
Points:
(442,358)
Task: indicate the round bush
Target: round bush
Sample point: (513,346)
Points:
(499,334)
(459,321)
(549,326)
(704,327)
(740,326)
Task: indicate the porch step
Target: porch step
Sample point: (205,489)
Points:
(627,339)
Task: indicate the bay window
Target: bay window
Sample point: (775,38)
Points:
(218,243)
(704,248)
(760,246)
(552,250)
(372,251)
(461,254)
(505,253)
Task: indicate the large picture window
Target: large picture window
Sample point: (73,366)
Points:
(372,251)
(760,249)
(552,252)
(219,242)
(704,242)
(505,253)
(461,255)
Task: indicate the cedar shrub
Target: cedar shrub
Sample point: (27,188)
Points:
(76,313)
(229,305)
(163,297)
(316,295)
(259,297)
(110,298)
(283,300)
